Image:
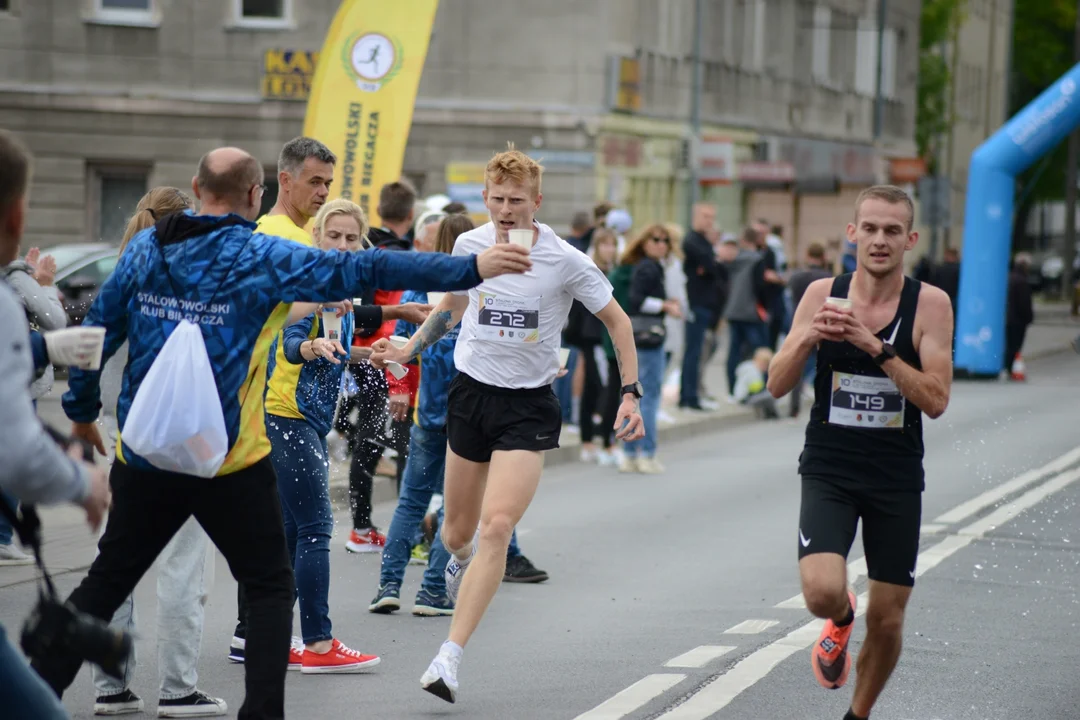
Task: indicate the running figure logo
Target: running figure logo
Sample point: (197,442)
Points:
(372,59)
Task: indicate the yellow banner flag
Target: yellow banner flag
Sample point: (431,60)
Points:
(362,97)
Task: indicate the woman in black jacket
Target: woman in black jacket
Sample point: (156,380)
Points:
(647,307)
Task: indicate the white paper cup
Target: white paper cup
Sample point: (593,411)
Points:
(564,355)
(524,238)
(99,332)
(841,303)
(397,370)
(398,341)
(331,325)
(434,298)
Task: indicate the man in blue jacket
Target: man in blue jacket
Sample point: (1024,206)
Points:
(214,270)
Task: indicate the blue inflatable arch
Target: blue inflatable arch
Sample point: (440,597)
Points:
(988,214)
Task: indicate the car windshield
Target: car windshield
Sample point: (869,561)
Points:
(66,255)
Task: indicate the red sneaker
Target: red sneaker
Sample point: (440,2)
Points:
(340,659)
(830,658)
(370,541)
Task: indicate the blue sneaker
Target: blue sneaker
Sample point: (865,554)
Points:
(387,600)
(429,604)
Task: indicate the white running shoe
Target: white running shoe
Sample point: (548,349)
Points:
(441,677)
(455,571)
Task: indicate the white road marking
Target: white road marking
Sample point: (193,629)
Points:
(633,697)
(967,509)
(751,627)
(699,656)
(932,528)
(753,668)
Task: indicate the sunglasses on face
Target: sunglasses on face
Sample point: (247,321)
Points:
(658,239)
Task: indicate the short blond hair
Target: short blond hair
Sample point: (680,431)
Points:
(514,166)
(341,206)
(763,355)
(890,194)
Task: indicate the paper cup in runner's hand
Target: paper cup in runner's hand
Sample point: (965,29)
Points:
(398,341)
(523,238)
(99,346)
(841,303)
(564,355)
(331,325)
(434,298)
(397,370)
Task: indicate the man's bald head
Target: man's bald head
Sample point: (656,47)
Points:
(228,175)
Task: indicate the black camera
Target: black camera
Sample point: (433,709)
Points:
(55,628)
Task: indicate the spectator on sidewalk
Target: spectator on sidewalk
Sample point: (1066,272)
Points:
(745,313)
(702,279)
(1019,309)
(947,276)
(580,231)
(750,384)
(772,289)
(816,269)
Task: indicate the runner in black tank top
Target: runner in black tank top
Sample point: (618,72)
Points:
(884,358)
(861,428)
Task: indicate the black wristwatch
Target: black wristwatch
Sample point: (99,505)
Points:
(888,352)
(634,389)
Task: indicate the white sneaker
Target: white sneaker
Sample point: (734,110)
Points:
(588,456)
(455,571)
(604,458)
(628,465)
(11,555)
(441,677)
(649,466)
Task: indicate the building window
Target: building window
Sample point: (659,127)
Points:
(269,14)
(138,13)
(118,191)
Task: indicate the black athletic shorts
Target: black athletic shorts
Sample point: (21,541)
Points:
(483,418)
(829,517)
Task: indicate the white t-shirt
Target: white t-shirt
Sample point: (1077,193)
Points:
(511,332)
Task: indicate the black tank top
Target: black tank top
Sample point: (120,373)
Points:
(861,428)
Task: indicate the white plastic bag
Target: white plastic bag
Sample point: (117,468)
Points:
(175,421)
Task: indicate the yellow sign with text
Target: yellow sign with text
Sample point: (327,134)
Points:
(287,74)
(362,98)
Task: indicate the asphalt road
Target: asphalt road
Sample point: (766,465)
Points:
(647,569)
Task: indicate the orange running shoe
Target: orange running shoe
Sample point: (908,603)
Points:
(829,657)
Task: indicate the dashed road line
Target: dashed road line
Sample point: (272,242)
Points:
(751,627)
(633,697)
(699,657)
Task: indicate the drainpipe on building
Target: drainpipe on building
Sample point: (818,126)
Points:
(879,98)
(692,192)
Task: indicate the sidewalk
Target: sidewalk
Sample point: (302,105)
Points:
(1051,334)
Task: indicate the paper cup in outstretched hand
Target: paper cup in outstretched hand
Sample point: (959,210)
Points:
(78,347)
(522,238)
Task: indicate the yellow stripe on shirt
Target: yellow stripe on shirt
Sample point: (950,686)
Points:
(281,389)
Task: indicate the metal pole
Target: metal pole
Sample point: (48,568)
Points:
(692,192)
(879,98)
(1069,253)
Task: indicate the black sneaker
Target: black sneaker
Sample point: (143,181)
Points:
(197,704)
(520,570)
(122,703)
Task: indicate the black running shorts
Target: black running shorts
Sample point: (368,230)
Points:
(829,517)
(483,418)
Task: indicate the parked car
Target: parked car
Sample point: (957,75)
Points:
(80,271)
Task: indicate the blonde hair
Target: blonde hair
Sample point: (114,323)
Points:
(514,166)
(153,206)
(341,206)
(600,236)
(635,249)
(890,194)
(763,355)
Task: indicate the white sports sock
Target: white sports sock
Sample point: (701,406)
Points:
(451,648)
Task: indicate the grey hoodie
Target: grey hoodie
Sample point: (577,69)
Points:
(43,309)
(34,468)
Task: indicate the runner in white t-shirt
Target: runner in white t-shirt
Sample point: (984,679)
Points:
(502,411)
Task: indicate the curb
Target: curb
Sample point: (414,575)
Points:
(384,489)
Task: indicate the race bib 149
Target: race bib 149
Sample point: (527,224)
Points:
(865,402)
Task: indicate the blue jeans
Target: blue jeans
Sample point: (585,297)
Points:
(424,473)
(300,460)
(651,375)
(23,694)
(564,387)
(6,531)
(742,333)
(692,350)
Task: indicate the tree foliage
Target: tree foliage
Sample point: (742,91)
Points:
(1042,51)
(936,24)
